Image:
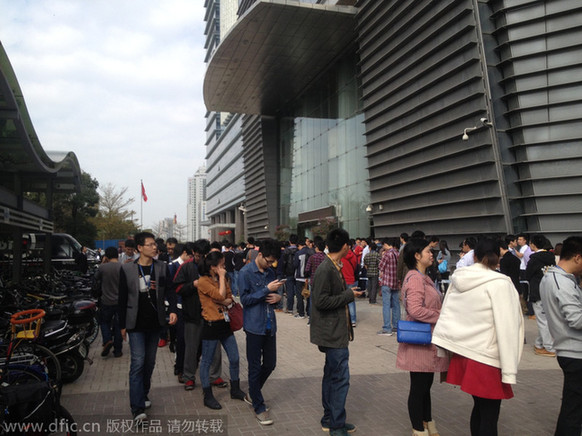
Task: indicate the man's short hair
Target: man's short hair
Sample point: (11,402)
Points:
(179,249)
(524,236)
(202,247)
(293,238)
(418,234)
(142,236)
(434,238)
(509,238)
(414,245)
(270,248)
(251,240)
(215,245)
(320,245)
(130,243)
(539,241)
(404,236)
(470,242)
(111,253)
(572,247)
(503,243)
(171,241)
(336,239)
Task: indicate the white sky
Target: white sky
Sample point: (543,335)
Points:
(119,83)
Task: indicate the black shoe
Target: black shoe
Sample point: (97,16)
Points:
(235,391)
(106,348)
(119,354)
(209,400)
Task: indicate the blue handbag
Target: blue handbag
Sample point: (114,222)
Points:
(414,332)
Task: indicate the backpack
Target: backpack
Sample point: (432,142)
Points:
(289,260)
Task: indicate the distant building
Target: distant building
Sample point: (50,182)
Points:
(457,117)
(196,207)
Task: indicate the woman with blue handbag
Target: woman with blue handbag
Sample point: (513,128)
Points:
(422,302)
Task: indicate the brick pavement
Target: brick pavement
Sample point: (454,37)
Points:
(376,401)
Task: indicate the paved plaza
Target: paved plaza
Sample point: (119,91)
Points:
(376,401)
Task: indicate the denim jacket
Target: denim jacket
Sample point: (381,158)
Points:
(257,314)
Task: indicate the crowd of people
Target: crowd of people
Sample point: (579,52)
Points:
(157,293)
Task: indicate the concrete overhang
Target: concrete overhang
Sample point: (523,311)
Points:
(21,152)
(273,52)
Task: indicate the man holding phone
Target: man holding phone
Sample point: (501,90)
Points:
(258,294)
(331,331)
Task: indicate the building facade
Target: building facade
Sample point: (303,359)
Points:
(457,117)
(196,206)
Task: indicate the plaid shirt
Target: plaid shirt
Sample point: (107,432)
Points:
(371,262)
(388,269)
(313,262)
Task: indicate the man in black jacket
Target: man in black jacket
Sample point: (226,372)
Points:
(538,264)
(331,331)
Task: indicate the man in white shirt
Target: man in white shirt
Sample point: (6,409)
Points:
(467,253)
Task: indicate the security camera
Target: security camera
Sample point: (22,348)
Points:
(466,133)
(486,122)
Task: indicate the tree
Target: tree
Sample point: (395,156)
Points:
(114,220)
(72,213)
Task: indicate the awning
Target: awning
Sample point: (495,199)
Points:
(20,150)
(273,52)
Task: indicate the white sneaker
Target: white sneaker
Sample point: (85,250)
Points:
(264,418)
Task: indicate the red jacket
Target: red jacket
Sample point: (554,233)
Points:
(349,267)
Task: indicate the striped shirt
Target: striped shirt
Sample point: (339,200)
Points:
(387,268)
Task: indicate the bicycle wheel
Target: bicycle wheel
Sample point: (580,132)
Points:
(46,356)
(66,422)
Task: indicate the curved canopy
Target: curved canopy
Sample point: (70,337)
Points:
(20,150)
(274,50)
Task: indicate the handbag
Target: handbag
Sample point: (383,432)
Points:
(414,332)
(443,267)
(235,313)
(305,292)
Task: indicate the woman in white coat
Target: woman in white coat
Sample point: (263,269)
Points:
(481,323)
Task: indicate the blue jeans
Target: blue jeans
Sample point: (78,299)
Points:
(390,303)
(109,322)
(143,347)
(352,305)
(294,290)
(208,349)
(233,282)
(335,386)
(262,358)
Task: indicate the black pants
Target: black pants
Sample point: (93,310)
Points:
(484,416)
(570,418)
(419,405)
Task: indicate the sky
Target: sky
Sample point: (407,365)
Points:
(119,83)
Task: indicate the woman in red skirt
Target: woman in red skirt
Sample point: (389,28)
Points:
(482,325)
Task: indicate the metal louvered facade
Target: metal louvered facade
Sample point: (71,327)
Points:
(261,175)
(427,72)
(423,84)
(431,69)
(540,50)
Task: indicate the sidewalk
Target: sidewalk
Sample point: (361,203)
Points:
(376,401)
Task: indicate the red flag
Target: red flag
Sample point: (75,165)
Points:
(143,193)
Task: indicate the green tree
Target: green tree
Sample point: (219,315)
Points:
(72,213)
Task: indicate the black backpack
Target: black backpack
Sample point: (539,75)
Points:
(289,261)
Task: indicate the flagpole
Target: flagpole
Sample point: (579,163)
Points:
(141,204)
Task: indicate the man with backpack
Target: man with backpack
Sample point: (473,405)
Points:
(288,268)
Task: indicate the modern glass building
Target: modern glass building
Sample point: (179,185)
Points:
(457,117)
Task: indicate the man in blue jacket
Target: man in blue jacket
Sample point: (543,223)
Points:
(258,295)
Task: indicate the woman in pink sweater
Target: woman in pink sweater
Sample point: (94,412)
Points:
(422,302)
